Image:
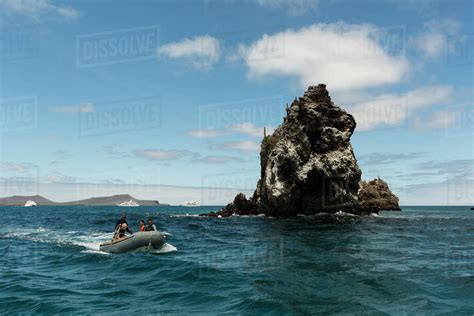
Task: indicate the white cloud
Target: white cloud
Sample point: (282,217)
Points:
(344,56)
(203,133)
(377,159)
(247,129)
(294,7)
(437,120)
(58,178)
(35,9)
(393,109)
(433,42)
(243,146)
(201,51)
(163,155)
(217,159)
(243,128)
(73,109)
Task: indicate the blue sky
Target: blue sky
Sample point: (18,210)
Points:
(162,98)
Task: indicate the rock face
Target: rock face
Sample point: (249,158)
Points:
(376,195)
(307,164)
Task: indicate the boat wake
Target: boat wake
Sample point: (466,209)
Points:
(90,242)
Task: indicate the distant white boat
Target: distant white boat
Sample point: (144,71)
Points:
(130,203)
(190,203)
(30,203)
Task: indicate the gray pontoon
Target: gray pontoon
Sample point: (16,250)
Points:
(152,239)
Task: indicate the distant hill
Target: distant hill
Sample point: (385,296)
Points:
(111,200)
(20,200)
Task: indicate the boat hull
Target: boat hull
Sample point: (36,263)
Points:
(153,239)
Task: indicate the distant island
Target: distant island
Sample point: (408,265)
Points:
(113,200)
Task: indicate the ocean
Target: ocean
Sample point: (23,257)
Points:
(418,261)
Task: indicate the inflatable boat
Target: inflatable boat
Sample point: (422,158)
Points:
(152,239)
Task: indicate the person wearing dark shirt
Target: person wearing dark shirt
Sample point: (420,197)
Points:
(123,220)
(150,226)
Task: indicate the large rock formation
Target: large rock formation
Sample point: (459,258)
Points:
(307,164)
(376,195)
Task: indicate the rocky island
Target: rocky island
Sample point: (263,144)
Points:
(376,195)
(308,166)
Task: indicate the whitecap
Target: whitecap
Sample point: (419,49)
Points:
(98,252)
(164,249)
(185,215)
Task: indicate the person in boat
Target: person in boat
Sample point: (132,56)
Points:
(123,220)
(141,225)
(121,233)
(150,226)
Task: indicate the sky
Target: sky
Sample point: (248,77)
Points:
(168,100)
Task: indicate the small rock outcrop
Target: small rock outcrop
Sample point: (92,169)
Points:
(307,164)
(376,195)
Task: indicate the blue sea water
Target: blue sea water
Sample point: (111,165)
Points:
(418,261)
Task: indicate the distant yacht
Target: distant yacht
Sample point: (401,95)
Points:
(30,203)
(130,203)
(189,204)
